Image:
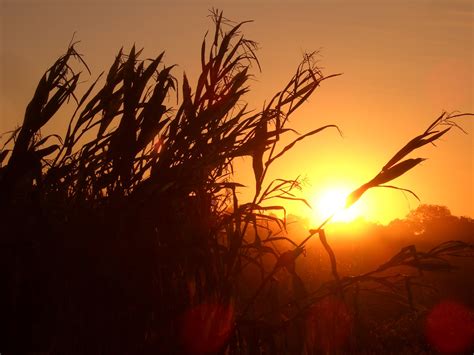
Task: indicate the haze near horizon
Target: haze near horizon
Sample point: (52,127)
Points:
(403,63)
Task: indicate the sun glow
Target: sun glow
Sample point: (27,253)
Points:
(332,201)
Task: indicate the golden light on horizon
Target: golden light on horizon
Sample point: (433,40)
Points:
(331,201)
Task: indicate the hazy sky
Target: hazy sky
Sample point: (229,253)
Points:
(403,63)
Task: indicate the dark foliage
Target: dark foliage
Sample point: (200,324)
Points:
(127,236)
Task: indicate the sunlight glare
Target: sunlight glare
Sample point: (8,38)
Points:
(332,200)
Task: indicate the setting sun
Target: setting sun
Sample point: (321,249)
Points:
(200,180)
(331,201)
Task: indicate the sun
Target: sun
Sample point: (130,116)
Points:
(331,201)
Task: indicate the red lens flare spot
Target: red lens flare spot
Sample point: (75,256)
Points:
(206,328)
(329,325)
(449,327)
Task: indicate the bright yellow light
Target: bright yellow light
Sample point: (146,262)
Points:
(332,201)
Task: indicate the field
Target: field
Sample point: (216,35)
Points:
(127,235)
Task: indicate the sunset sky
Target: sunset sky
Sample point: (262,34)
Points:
(403,63)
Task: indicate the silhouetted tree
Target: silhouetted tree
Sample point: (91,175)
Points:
(127,235)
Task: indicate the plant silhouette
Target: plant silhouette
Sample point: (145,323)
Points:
(126,235)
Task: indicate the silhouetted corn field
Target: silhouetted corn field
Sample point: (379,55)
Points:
(126,235)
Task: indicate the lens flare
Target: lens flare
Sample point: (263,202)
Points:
(450,327)
(206,328)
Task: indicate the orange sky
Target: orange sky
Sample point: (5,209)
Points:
(403,63)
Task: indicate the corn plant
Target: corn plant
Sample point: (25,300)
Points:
(127,233)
